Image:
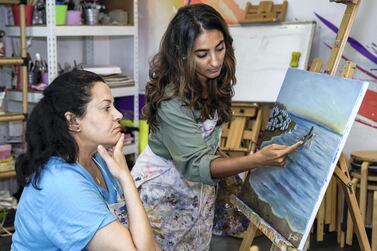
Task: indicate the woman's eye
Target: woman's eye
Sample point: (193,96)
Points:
(220,49)
(201,55)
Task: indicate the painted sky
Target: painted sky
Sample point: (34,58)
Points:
(314,97)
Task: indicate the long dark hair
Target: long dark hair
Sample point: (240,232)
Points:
(174,64)
(47,131)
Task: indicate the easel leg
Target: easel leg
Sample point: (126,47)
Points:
(341,38)
(374,224)
(357,219)
(342,174)
(320,221)
(363,189)
(334,216)
(340,219)
(349,232)
(329,200)
(248,237)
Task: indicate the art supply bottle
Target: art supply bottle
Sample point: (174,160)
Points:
(37,69)
(39,15)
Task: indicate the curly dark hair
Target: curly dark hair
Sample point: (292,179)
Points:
(174,64)
(47,132)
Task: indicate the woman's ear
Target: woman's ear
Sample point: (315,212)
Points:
(73,124)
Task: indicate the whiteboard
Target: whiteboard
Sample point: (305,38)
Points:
(263,53)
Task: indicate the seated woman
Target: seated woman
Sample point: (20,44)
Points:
(74,173)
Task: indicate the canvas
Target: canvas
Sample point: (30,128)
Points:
(319,110)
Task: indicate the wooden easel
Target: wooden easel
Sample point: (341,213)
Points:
(266,11)
(331,68)
(239,136)
(341,171)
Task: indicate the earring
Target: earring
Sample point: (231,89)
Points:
(74,127)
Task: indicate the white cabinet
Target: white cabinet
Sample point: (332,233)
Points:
(99,45)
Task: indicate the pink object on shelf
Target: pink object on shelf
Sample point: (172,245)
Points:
(45,77)
(73,17)
(5,151)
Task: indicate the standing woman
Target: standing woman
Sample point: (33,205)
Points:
(188,100)
(74,194)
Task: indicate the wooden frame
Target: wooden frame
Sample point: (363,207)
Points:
(22,62)
(266,11)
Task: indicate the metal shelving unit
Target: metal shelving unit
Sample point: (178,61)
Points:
(74,30)
(34,97)
(52,33)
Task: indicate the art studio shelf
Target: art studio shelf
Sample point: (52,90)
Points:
(91,45)
(34,97)
(74,30)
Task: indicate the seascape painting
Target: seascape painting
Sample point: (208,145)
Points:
(319,110)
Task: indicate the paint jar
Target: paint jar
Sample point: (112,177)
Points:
(91,16)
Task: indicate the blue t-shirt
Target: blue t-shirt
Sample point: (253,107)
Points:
(68,210)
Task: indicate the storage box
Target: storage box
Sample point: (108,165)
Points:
(127,5)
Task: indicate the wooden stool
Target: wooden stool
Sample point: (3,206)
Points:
(364,177)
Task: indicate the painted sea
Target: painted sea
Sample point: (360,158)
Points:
(308,166)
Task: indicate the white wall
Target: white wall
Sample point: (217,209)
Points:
(152,24)
(364,29)
(154,16)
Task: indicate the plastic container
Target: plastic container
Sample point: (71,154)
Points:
(143,135)
(45,78)
(73,17)
(60,14)
(29,9)
(5,151)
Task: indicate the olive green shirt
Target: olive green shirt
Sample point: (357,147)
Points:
(179,138)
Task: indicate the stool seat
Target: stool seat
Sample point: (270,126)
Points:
(369,156)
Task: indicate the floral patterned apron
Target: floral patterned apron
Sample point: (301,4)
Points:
(180,211)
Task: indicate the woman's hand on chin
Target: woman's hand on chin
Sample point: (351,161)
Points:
(114,158)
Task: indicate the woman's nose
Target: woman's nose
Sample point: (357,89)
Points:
(117,115)
(215,60)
